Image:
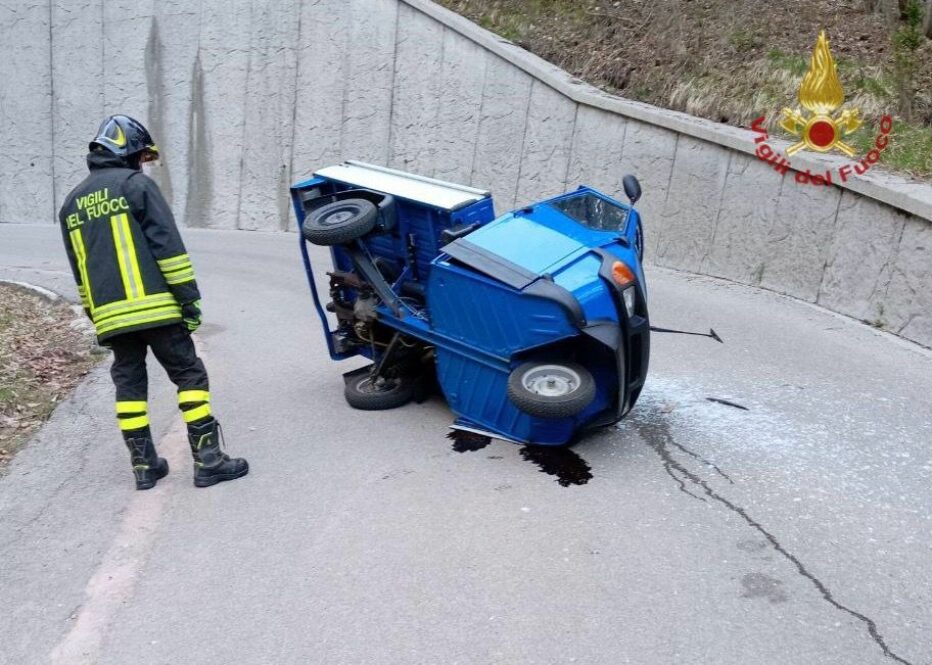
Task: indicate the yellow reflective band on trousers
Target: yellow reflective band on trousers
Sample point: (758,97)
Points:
(193,396)
(198,412)
(126,256)
(77,243)
(154,315)
(138,422)
(131,407)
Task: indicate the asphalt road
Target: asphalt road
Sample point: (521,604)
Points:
(797,531)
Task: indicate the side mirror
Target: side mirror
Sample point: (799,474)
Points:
(632,188)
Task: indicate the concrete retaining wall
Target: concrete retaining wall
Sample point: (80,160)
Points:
(247,96)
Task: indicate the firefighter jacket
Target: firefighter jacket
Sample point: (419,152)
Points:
(125,251)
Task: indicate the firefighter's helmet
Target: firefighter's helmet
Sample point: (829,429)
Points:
(123,136)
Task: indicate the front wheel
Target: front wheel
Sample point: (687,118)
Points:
(374,393)
(551,390)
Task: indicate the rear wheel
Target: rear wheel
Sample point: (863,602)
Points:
(375,393)
(551,390)
(340,222)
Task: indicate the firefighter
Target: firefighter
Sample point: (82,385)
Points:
(137,286)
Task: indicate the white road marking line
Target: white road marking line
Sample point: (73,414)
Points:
(113,583)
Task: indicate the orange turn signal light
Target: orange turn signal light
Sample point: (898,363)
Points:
(622,274)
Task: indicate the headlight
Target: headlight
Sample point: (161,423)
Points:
(629,297)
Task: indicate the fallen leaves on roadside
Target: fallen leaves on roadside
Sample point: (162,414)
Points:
(42,357)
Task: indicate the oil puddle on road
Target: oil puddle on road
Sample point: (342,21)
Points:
(568,467)
(467,442)
(564,463)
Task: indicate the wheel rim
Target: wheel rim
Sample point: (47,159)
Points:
(338,217)
(371,386)
(551,381)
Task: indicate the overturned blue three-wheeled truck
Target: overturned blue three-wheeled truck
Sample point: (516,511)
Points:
(533,325)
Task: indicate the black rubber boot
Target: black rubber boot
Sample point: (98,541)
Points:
(211,464)
(148,467)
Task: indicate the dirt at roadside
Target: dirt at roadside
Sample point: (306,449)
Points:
(44,352)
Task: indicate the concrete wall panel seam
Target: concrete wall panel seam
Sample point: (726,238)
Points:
(475,145)
(439,83)
(343,71)
(460,85)
(547,140)
(828,257)
(242,156)
(198,183)
(689,216)
(569,160)
(391,108)
(659,233)
(676,148)
(371,53)
(597,149)
(886,268)
(500,134)
(527,113)
(54,200)
(703,262)
(294,108)
(624,138)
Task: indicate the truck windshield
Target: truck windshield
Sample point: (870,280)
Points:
(593,211)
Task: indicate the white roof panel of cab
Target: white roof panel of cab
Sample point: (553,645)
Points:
(436,193)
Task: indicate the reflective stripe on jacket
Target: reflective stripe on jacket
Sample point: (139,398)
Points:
(125,251)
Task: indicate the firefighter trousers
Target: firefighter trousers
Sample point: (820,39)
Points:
(174,349)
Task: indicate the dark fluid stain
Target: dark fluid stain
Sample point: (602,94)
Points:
(566,465)
(208,329)
(468,442)
(752,545)
(395,474)
(719,400)
(758,585)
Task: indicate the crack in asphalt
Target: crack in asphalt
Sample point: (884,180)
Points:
(657,435)
(701,459)
(668,467)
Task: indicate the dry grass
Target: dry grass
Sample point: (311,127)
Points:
(42,357)
(727,60)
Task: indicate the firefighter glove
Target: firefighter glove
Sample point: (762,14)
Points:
(191,313)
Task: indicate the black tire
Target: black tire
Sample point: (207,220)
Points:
(573,389)
(340,222)
(364,393)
